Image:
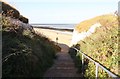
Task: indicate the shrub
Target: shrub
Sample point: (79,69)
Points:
(24,53)
(103,46)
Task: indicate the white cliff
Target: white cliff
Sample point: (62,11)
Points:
(82,35)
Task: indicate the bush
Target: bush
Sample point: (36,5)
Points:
(9,10)
(24,53)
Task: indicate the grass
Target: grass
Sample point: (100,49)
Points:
(103,20)
(101,45)
(25,53)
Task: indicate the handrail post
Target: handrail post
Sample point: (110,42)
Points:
(82,64)
(96,72)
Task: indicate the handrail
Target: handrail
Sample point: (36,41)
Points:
(97,65)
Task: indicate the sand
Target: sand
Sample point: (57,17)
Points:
(64,37)
(63,65)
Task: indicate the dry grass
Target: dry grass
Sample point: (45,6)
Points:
(103,20)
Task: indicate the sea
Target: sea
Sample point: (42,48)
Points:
(58,26)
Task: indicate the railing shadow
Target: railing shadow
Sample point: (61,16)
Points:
(77,58)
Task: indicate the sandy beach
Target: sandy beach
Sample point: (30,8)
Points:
(64,37)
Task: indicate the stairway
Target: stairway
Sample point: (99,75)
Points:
(63,65)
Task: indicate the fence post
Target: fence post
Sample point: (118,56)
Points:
(82,64)
(96,72)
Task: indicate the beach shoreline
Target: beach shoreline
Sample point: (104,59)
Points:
(59,29)
(63,37)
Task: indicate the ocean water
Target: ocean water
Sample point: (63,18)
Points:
(61,26)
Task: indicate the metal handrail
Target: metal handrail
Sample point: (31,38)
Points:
(97,65)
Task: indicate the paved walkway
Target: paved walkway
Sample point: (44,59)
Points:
(63,66)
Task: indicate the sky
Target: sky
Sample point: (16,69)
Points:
(63,11)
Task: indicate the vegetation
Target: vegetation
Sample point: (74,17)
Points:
(9,10)
(101,45)
(25,53)
(103,20)
(23,19)
(76,57)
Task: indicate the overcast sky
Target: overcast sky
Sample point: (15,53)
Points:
(63,11)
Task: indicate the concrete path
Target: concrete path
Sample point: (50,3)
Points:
(63,66)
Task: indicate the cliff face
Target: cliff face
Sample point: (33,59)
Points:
(80,36)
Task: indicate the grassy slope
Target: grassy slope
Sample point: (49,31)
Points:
(29,54)
(103,19)
(102,45)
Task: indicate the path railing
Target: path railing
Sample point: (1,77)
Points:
(96,64)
